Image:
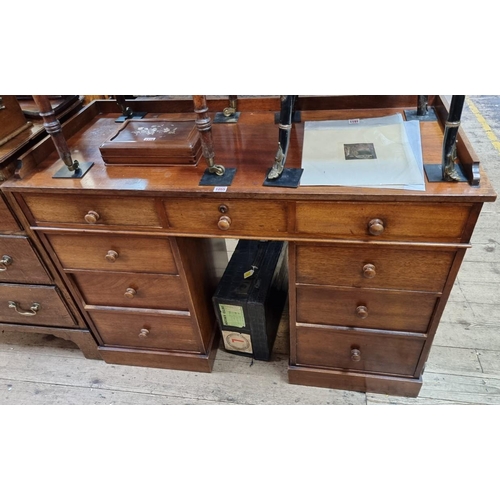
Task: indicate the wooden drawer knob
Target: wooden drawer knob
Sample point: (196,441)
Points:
(143,333)
(369,271)
(376,227)
(355,355)
(111,256)
(92,217)
(5,262)
(130,293)
(224,223)
(362,312)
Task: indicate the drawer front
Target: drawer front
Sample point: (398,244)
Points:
(33,305)
(385,310)
(92,211)
(19,262)
(109,252)
(146,331)
(7,221)
(226,217)
(132,290)
(327,347)
(374,267)
(383,221)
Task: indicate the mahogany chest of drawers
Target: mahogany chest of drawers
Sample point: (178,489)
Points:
(141,250)
(32,298)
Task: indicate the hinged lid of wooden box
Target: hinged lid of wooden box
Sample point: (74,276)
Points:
(153,142)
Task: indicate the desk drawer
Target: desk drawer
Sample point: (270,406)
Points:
(132,290)
(33,305)
(387,221)
(146,331)
(92,211)
(110,252)
(363,308)
(225,217)
(370,352)
(7,221)
(19,262)
(369,266)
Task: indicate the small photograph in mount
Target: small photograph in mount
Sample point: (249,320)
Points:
(360,151)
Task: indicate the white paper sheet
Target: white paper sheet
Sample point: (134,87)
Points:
(390,149)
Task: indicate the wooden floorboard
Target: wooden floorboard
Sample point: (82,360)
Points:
(234,380)
(463,366)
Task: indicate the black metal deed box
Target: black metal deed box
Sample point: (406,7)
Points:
(250,297)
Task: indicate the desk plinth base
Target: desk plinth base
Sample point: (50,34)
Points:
(82,338)
(161,359)
(150,359)
(350,381)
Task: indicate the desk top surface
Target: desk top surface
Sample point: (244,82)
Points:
(248,145)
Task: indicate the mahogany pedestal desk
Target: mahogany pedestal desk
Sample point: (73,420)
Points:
(370,270)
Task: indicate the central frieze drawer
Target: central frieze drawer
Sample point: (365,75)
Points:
(370,352)
(33,305)
(110,252)
(241,217)
(132,290)
(374,267)
(383,221)
(7,221)
(385,310)
(147,331)
(92,211)
(19,262)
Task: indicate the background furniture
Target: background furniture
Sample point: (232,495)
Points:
(33,299)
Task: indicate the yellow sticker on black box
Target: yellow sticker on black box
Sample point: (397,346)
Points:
(232,315)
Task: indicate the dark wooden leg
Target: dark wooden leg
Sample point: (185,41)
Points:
(278,175)
(214,175)
(230,113)
(423,113)
(127,111)
(448,164)
(285,128)
(204,125)
(53,127)
(422,105)
(233,106)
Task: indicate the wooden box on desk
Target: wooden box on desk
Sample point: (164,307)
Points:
(153,142)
